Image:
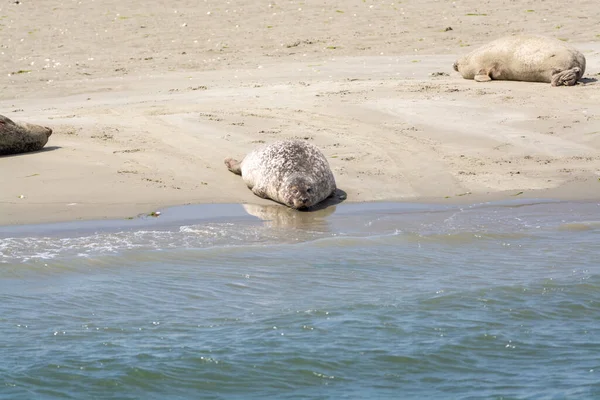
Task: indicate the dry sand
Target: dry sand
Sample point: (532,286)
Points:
(146,101)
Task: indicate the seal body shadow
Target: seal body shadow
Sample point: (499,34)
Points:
(531,58)
(291,172)
(21,137)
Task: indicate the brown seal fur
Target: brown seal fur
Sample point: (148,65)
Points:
(531,58)
(291,172)
(21,137)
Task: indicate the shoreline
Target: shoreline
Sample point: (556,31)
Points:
(271,215)
(98,215)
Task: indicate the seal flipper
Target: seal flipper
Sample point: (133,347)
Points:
(334,193)
(483,76)
(568,77)
(234,166)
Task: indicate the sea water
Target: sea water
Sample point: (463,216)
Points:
(357,301)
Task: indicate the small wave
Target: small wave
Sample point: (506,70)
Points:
(491,224)
(580,226)
(185,237)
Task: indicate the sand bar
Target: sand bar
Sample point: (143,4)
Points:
(146,101)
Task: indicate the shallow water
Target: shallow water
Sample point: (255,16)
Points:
(355,301)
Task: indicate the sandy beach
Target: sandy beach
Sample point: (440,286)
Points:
(146,101)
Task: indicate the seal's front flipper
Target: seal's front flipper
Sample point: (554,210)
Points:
(568,77)
(234,166)
(483,76)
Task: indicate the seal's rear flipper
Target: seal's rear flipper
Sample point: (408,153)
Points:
(234,166)
(568,77)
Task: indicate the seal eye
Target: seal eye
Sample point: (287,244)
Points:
(309,190)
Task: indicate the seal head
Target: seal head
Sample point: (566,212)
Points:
(297,192)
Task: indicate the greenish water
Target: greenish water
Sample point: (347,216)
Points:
(357,301)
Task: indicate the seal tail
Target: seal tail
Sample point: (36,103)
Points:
(234,166)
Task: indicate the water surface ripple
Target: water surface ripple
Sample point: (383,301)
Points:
(501,301)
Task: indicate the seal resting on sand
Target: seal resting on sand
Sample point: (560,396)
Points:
(291,172)
(21,137)
(531,58)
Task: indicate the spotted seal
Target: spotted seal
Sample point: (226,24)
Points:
(531,58)
(21,137)
(291,172)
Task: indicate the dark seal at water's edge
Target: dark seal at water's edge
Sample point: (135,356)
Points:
(21,137)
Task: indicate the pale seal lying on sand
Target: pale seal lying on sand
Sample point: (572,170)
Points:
(291,172)
(529,58)
(21,137)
